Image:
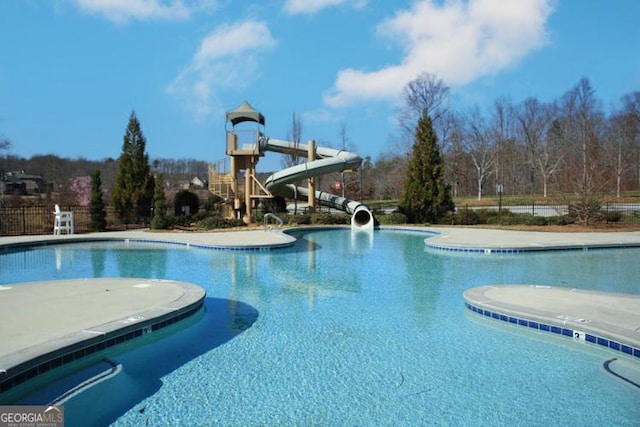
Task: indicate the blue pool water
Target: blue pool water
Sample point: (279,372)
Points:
(342,331)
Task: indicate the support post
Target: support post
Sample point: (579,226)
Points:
(248,186)
(311,182)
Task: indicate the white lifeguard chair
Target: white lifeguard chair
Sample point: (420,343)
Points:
(63,221)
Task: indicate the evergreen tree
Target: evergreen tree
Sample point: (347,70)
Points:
(425,197)
(96,206)
(134,186)
(159,220)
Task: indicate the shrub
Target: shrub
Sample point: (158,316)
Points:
(464,216)
(392,218)
(612,216)
(160,222)
(212,203)
(304,219)
(330,219)
(213,222)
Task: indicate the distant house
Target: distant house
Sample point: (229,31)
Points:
(21,183)
(196,183)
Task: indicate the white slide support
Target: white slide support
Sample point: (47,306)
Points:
(328,160)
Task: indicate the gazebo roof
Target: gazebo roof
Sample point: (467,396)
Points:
(244,113)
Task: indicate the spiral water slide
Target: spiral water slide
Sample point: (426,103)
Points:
(328,160)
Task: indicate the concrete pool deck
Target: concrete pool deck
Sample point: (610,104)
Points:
(607,319)
(495,240)
(33,340)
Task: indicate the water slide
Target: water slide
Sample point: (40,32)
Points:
(328,160)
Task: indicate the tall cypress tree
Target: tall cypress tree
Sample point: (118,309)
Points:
(425,197)
(96,208)
(133,191)
(159,219)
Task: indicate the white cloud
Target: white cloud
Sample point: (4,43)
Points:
(459,41)
(308,7)
(122,11)
(227,58)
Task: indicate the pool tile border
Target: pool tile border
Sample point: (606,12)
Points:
(110,334)
(557,330)
(39,243)
(520,250)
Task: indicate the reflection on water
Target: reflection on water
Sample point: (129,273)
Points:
(98,258)
(374,324)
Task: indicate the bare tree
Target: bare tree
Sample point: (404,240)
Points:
(618,136)
(543,152)
(389,172)
(631,109)
(582,120)
(581,126)
(342,133)
(295,135)
(456,159)
(5,145)
(501,130)
(480,145)
(425,93)
(623,137)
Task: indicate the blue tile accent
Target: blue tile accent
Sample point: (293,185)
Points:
(109,341)
(513,250)
(590,338)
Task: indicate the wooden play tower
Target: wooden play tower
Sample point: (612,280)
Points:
(246,143)
(244,128)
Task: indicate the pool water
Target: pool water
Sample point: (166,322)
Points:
(348,330)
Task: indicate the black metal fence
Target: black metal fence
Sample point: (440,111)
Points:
(30,220)
(618,213)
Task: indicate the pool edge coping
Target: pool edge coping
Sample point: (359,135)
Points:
(31,362)
(478,303)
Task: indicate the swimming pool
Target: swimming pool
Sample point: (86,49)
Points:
(340,332)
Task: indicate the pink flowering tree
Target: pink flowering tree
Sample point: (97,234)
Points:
(81,187)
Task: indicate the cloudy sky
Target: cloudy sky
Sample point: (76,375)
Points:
(71,71)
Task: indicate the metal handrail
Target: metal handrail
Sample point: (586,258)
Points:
(275,217)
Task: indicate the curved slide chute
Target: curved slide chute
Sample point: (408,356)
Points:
(328,160)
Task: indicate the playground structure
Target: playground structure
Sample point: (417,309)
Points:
(245,146)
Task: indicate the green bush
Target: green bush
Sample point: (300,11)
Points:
(304,219)
(392,218)
(213,222)
(179,220)
(611,216)
(160,222)
(464,216)
(330,219)
(211,204)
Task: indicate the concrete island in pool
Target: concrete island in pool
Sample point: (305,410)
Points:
(33,342)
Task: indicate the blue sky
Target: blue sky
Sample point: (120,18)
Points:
(71,71)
